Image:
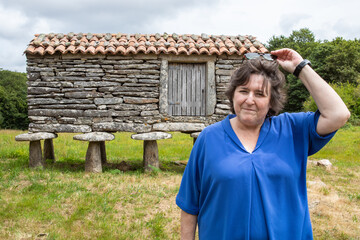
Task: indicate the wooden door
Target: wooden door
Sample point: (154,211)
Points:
(187,89)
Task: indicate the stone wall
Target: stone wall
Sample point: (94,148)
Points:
(85,93)
(224,68)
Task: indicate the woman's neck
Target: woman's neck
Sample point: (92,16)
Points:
(247,135)
(238,125)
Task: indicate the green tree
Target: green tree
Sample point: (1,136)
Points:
(13,105)
(337,61)
(302,41)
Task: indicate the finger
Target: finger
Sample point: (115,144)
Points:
(282,53)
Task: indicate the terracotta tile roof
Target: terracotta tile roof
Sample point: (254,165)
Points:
(124,44)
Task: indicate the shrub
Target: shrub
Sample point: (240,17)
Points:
(350,94)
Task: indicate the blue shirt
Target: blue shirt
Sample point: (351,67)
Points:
(258,195)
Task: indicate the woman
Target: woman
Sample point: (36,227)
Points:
(246,176)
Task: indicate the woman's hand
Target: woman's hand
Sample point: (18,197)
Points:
(287,58)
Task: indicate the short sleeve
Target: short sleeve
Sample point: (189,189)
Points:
(189,193)
(316,142)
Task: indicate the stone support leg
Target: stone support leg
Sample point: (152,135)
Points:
(151,154)
(93,158)
(103,152)
(49,149)
(35,154)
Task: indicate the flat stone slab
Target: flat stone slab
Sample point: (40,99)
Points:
(151,136)
(121,127)
(59,128)
(181,127)
(195,134)
(35,136)
(95,137)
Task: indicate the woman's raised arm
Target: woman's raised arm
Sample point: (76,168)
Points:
(333,111)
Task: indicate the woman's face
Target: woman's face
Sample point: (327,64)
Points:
(252,102)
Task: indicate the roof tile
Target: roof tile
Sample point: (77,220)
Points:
(151,49)
(129,50)
(125,44)
(40,50)
(120,50)
(90,50)
(141,48)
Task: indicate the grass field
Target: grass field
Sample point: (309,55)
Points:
(63,202)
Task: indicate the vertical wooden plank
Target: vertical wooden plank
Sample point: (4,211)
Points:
(175,76)
(188,79)
(178,90)
(203,90)
(199,91)
(194,91)
(188,87)
(188,90)
(184,92)
(173,88)
(174,83)
(203,80)
(183,89)
(179,83)
(170,89)
(174,73)
(196,95)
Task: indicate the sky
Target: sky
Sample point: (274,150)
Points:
(21,19)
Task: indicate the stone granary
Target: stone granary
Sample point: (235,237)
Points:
(140,83)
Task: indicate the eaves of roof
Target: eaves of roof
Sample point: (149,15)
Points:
(125,44)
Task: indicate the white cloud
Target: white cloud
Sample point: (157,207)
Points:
(11,21)
(346,28)
(12,58)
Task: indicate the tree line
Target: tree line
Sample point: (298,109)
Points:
(13,104)
(337,61)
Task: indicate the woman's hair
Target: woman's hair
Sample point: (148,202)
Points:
(271,74)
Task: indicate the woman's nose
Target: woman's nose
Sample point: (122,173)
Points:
(250,98)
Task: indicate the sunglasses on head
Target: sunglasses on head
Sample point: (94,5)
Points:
(266,56)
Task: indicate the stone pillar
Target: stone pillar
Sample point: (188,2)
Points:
(151,155)
(96,152)
(103,152)
(49,150)
(35,154)
(93,158)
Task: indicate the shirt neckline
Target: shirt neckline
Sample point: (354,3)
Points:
(231,133)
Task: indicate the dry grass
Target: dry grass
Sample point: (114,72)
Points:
(334,214)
